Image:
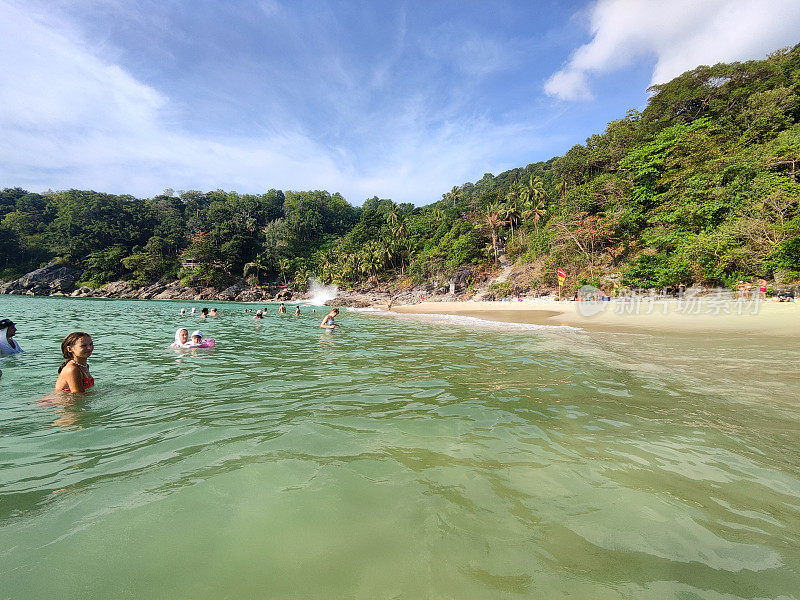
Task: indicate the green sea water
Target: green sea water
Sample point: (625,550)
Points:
(398,457)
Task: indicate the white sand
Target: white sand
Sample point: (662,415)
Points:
(690,316)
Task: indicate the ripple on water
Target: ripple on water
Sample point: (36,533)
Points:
(395,457)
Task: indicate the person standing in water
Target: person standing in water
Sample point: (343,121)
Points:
(8,330)
(328,322)
(282,309)
(73,374)
(296,311)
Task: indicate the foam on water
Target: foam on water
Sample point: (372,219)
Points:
(466,321)
(320,293)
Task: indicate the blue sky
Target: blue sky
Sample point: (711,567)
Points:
(401,100)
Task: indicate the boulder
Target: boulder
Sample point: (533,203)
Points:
(460,280)
(115,289)
(82,291)
(283,295)
(56,276)
(231,292)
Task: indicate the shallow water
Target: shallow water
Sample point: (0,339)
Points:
(398,457)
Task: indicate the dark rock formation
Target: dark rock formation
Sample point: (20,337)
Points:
(55,277)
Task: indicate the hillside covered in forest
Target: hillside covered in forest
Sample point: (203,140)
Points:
(699,187)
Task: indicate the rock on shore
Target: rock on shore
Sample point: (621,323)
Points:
(58,279)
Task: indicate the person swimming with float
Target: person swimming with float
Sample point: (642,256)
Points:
(328,322)
(198,341)
(73,374)
(181,339)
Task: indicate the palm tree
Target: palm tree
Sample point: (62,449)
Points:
(393,215)
(511,207)
(492,218)
(453,195)
(256,267)
(285,265)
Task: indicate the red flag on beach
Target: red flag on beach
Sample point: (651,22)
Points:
(561,274)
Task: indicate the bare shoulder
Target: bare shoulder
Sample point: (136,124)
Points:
(70,367)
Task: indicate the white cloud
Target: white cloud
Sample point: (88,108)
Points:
(679,34)
(70,118)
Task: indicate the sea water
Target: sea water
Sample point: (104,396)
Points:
(397,457)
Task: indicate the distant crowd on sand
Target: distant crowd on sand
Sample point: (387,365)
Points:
(77,347)
(745,291)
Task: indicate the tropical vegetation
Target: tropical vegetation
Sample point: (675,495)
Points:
(699,187)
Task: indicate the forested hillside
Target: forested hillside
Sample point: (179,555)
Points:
(700,187)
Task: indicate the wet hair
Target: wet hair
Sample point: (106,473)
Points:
(70,340)
(204,311)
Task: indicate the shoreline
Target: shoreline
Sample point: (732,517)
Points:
(764,318)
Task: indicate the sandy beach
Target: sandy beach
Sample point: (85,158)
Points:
(693,316)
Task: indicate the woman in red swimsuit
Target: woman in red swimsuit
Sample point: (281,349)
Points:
(73,374)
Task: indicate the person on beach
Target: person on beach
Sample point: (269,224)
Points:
(328,322)
(73,374)
(762,288)
(747,287)
(181,338)
(8,330)
(282,309)
(296,311)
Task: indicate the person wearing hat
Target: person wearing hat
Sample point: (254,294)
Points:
(197,339)
(7,331)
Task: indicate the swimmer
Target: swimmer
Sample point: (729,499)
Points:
(259,315)
(73,374)
(213,313)
(194,310)
(265,311)
(183,311)
(199,342)
(282,309)
(204,313)
(328,322)
(8,330)
(197,339)
(296,311)
(181,338)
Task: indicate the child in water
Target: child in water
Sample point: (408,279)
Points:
(197,339)
(73,374)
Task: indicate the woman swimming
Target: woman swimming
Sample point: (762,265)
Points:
(181,338)
(73,374)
